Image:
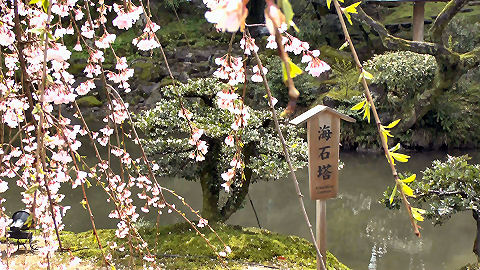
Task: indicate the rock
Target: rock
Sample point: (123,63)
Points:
(183,55)
(89,101)
(202,55)
(183,77)
(154,97)
(407,25)
(155,94)
(148,88)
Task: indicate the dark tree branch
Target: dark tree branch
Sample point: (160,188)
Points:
(25,79)
(445,16)
(470,59)
(236,199)
(395,43)
(441,193)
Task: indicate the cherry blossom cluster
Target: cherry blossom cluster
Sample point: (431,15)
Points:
(227,15)
(200,146)
(227,99)
(248,44)
(48,157)
(147,41)
(315,66)
(123,74)
(231,69)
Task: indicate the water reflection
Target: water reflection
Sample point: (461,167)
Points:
(361,232)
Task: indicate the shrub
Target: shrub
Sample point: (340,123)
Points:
(402,73)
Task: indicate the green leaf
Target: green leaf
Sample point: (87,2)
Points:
(32,189)
(344,45)
(366,113)
(36,109)
(88,183)
(50,36)
(409,179)
(294,70)
(287,11)
(84,203)
(32,2)
(395,148)
(352,8)
(36,31)
(393,194)
(407,190)
(45,5)
(386,133)
(393,124)
(365,74)
(400,157)
(328,3)
(417,213)
(358,106)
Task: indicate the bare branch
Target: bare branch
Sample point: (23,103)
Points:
(395,43)
(445,16)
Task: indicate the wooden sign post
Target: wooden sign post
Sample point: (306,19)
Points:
(323,136)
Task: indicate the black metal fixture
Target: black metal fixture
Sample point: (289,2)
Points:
(19,227)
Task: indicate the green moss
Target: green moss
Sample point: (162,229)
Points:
(89,101)
(179,247)
(193,31)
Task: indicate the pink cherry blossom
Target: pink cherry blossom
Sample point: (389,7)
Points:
(231,69)
(126,19)
(248,44)
(229,141)
(317,67)
(6,35)
(85,87)
(271,43)
(257,77)
(104,41)
(227,15)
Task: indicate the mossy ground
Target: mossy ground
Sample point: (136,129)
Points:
(89,101)
(404,12)
(179,247)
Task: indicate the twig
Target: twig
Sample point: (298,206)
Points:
(287,157)
(40,151)
(377,120)
(254,211)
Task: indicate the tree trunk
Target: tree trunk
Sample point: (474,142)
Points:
(235,200)
(476,244)
(210,195)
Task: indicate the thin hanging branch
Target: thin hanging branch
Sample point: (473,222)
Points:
(287,156)
(398,183)
(40,151)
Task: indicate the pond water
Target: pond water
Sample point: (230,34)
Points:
(361,232)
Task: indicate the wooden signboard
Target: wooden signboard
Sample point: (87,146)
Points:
(323,136)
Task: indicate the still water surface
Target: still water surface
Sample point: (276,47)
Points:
(361,232)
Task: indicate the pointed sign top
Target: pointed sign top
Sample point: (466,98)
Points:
(317,109)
